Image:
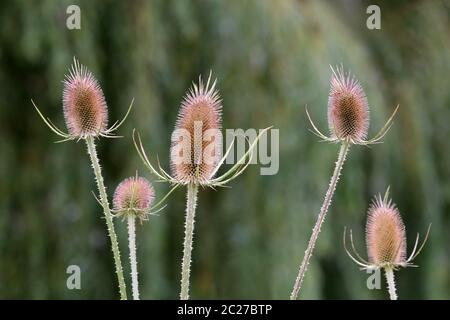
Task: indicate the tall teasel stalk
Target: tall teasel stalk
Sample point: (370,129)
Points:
(348,120)
(86,117)
(386,241)
(133,200)
(195,158)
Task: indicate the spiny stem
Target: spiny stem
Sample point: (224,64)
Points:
(188,236)
(389,273)
(323,211)
(108,216)
(133,260)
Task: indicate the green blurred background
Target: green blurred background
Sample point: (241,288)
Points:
(271,58)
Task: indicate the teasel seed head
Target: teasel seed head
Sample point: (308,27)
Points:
(196,141)
(386,241)
(348,111)
(385,234)
(85,109)
(134,196)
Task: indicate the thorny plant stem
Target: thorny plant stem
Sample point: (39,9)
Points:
(389,273)
(320,219)
(133,260)
(188,236)
(108,216)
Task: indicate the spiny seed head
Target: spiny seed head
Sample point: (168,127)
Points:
(84,105)
(196,140)
(348,111)
(134,196)
(385,234)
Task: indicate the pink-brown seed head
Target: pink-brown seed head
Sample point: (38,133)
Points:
(84,105)
(348,111)
(133,195)
(196,141)
(385,234)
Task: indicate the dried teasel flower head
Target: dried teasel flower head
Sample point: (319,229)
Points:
(196,140)
(84,105)
(348,111)
(134,196)
(386,241)
(385,238)
(385,234)
(196,149)
(85,109)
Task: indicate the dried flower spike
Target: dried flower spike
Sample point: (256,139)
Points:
(348,112)
(386,241)
(134,196)
(197,128)
(84,105)
(195,155)
(385,234)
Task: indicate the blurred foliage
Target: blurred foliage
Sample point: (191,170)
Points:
(271,59)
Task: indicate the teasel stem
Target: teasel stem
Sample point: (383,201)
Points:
(389,273)
(108,216)
(321,218)
(191,204)
(133,260)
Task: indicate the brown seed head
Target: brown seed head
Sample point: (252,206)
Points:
(196,141)
(348,111)
(385,234)
(84,105)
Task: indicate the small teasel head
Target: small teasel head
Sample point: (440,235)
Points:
(385,234)
(385,238)
(84,105)
(348,111)
(134,196)
(85,110)
(196,140)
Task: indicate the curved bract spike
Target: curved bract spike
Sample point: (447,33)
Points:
(142,154)
(117,124)
(156,213)
(243,164)
(240,166)
(316,131)
(237,173)
(113,125)
(109,136)
(164,172)
(62,133)
(358,262)
(160,202)
(421,246)
(220,163)
(53,127)
(414,248)
(64,140)
(355,251)
(380,135)
(410,265)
